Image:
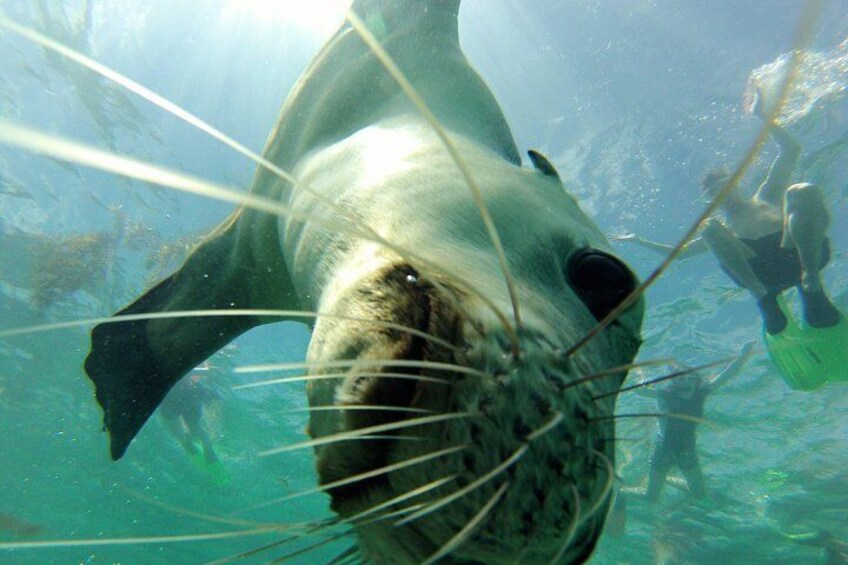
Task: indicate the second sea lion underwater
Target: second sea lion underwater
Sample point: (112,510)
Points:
(462,406)
(451,286)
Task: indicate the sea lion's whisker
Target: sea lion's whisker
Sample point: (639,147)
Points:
(395,513)
(469,528)
(316,528)
(366,475)
(607,487)
(616,370)
(282,528)
(432,365)
(310,548)
(398,499)
(431,118)
(672,415)
(572,528)
(255,551)
(517,454)
(345,556)
(223,313)
(324,376)
(444,501)
(674,375)
(354,408)
(50,544)
(805,29)
(358,433)
(353,559)
(552,423)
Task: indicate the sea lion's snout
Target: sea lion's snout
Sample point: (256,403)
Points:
(476,420)
(540,434)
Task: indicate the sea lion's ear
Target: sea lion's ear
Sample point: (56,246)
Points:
(543,165)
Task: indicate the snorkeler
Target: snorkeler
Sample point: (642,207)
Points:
(182,410)
(683,403)
(769,243)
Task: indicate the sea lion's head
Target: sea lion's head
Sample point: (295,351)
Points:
(513,457)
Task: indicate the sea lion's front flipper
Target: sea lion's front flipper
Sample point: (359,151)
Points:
(134,364)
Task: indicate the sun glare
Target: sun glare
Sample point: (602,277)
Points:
(320,17)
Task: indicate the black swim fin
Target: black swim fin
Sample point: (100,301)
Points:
(134,364)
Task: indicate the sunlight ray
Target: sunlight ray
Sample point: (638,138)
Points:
(143,92)
(77,153)
(63,149)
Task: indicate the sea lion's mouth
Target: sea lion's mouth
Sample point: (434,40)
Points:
(389,382)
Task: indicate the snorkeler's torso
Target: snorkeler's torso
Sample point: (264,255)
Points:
(754,219)
(679,433)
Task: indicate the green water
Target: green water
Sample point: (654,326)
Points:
(630,102)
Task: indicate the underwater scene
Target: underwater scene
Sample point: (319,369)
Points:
(331,416)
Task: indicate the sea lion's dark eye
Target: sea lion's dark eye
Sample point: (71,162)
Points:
(600,280)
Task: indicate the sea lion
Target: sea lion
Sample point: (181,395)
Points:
(506,447)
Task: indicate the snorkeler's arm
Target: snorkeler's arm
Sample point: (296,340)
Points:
(733,369)
(695,247)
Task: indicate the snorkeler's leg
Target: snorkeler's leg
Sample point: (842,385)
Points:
(734,257)
(208,450)
(192,415)
(660,462)
(806,221)
(773,317)
(180,431)
(691,468)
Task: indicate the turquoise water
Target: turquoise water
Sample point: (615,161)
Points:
(632,101)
